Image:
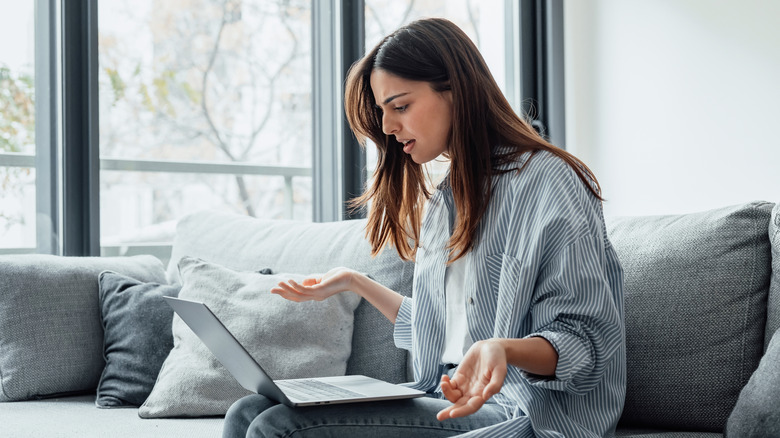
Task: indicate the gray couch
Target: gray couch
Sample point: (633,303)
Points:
(702,302)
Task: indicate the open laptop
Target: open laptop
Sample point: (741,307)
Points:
(292,392)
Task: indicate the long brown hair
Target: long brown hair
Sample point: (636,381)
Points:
(438,52)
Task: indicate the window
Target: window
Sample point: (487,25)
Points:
(202,105)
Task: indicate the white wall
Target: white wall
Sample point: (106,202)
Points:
(675,104)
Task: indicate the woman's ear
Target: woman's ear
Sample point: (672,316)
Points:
(447,95)
(444,89)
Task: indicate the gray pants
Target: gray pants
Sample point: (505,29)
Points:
(256,416)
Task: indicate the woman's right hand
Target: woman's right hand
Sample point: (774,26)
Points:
(340,280)
(316,289)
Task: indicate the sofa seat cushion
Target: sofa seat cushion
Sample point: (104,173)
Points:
(51,340)
(77,416)
(655,433)
(696,290)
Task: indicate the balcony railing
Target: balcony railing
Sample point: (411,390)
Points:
(126,165)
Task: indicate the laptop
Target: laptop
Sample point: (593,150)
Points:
(291,392)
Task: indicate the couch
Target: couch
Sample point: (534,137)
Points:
(702,303)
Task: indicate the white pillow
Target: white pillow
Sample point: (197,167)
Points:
(289,340)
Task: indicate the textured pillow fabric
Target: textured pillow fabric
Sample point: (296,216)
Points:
(242,243)
(757,413)
(136,337)
(51,341)
(289,340)
(695,303)
(773,304)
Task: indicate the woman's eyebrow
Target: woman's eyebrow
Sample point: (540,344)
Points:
(390,99)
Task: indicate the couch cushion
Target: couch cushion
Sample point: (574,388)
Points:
(654,433)
(695,297)
(136,337)
(757,413)
(77,417)
(245,243)
(51,340)
(289,339)
(773,307)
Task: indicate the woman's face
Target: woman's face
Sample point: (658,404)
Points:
(419,117)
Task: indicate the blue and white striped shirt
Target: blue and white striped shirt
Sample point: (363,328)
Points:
(542,266)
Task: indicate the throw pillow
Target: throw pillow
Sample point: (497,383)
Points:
(290,340)
(756,414)
(696,288)
(242,242)
(52,342)
(136,337)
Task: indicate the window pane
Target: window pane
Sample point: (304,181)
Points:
(202,83)
(17,127)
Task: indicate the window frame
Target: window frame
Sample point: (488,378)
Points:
(80,129)
(47,171)
(541,52)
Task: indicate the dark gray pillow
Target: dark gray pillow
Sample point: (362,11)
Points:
(696,289)
(137,337)
(757,413)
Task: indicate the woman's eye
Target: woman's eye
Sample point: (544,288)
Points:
(401,109)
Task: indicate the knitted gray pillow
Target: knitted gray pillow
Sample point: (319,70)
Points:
(242,243)
(757,413)
(288,339)
(696,289)
(51,341)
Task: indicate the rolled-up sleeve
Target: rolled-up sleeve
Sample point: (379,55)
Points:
(402,332)
(576,310)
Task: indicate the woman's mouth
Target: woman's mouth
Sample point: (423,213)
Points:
(408,145)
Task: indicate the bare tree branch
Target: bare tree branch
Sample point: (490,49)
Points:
(242,188)
(204,102)
(272,82)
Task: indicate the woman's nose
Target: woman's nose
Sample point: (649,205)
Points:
(389,124)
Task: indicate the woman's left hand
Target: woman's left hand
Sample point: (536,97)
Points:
(479,376)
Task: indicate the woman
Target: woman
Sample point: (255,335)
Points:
(516,325)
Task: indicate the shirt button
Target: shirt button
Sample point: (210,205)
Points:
(471,300)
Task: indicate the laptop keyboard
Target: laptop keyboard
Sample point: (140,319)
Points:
(315,390)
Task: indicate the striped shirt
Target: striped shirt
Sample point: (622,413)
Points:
(542,266)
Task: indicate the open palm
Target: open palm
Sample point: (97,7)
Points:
(315,289)
(479,377)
